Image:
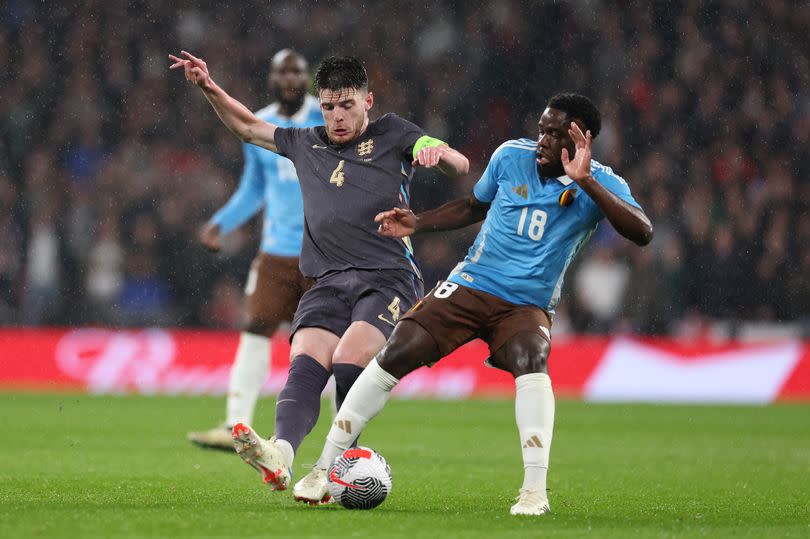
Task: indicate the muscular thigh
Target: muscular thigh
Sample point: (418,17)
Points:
(507,320)
(359,344)
(325,306)
(409,347)
(274,287)
(519,339)
(450,314)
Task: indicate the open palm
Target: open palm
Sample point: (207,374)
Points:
(579,167)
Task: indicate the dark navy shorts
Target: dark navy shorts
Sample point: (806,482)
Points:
(378,297)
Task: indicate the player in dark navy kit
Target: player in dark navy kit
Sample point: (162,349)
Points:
(540,208)
(349,170)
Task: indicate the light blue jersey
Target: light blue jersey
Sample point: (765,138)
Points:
(532,230)
(269,181)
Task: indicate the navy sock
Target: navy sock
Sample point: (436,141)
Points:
(345,376)
(299,403)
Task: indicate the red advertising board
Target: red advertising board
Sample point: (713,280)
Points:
(151,361)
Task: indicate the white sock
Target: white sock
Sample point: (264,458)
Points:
(534,412)
(366,398)
(286,451)
(250,369)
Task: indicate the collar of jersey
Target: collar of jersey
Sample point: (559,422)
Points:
(564,179)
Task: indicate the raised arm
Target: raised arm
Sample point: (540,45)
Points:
(430,152)
(629,221)
(238,118)
(398,222)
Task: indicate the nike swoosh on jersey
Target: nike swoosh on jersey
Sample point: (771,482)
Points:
(319,147)
(387,321)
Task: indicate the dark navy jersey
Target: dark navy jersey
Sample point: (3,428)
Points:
(345,187)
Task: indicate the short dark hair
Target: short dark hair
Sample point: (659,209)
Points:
(338,72)
(578,107)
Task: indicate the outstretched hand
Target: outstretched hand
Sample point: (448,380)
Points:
(195,69)
(396,223)
(579,167)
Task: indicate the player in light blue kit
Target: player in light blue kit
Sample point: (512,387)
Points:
(275,284)
(541,206)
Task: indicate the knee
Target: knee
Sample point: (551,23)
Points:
(524,356)
(356,356)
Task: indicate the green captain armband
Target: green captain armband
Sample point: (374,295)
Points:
(426,142)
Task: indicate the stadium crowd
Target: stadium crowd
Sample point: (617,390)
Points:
(109,163)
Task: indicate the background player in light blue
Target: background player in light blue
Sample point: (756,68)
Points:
(275,283)
(540,208)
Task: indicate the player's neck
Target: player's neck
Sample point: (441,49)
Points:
(364,128)
(549,174)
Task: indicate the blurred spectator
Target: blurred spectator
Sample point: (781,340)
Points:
(43,268)
(601,282)
(105,268)
(109,163)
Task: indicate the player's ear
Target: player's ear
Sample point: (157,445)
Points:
(369,100)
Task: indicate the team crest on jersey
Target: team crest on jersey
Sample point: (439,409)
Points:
(522,190)
(365,148)
(567,197)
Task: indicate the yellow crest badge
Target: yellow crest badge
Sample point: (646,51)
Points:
(365,148)
(522,190)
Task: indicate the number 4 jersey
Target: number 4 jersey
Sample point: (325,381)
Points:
(533,229)
(345,187)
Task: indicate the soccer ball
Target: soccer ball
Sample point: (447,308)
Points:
(359,478)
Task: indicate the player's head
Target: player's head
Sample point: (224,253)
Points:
(562,109)
(342,85)
(288,78)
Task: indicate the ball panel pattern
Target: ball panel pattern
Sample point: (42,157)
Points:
(360,478)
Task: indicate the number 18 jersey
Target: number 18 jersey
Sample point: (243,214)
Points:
(534,228)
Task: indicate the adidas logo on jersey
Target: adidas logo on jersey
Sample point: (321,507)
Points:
(345,426)
(534,441)
(522,190)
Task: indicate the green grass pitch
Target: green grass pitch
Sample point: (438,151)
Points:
(79,466)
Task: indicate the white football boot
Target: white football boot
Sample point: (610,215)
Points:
(264,455)
(312,489)
(216,438)
(531,502)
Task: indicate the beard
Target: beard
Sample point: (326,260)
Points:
(291,99)
(551,170)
